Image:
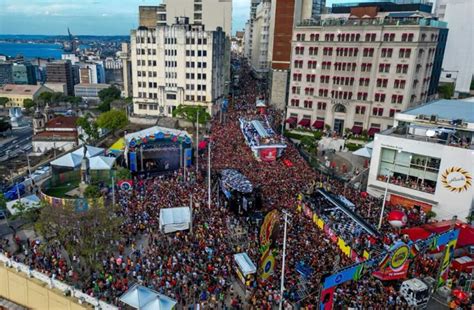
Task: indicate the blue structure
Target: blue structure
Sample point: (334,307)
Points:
(438,61)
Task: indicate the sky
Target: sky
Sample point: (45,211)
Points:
(93,17)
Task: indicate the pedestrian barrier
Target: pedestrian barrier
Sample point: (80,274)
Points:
(53,283)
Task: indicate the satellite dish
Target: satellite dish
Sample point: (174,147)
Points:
(430,133)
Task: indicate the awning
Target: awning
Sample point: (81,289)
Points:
(102,163)
(363,152)
(318,124)
(90,152)
(372,131)
(175,219)
(70,160)
(118,147)
(291,120)
(357,130)
(305,122)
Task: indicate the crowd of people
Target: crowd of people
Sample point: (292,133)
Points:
(196,266)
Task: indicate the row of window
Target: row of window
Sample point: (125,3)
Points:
(143,51)
(150,84)
(142,106)
(192,76)
(193,53)
(193,41)
(151,63)
(351,66)
(369,37)
(143,40)
(404,53)
(198,64)
(349,81)
(359,110)
(144,73)
(198,87)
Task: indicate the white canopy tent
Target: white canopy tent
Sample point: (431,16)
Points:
(365,151)
(91,151)
(101,163)
(175,219)
(31,201)
(143,298)
(70,160)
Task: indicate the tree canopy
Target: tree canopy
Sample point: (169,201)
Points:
(190,113)
(45,97)
(3,101)
(84,234)
(90,127)
(92,191)
(110,93)
(28,104)
(112,120)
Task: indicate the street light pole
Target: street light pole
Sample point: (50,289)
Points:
(197,142)
(389,171)
(209,174)
(282,282)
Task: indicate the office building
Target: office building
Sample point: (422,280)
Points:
(89,91)
(260,41)
(24,73)
(357,67)
(458,63)
(177,64)
(91,72)
(318,8)
(6,76)
(248,36)
(426,159)
(60,71)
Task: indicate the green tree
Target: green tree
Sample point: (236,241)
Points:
(3,201)
(123,174)
(90,128)
(3,101)
(28,104)
(94,230)
(446,91)
(112,120)
(45,97)
(23,211)
(92,192)
(110,93)
(104,106)
(4,125)
(190,113)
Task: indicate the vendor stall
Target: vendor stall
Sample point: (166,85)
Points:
(245,269)
(175,219)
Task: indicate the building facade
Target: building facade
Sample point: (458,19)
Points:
(6,76)
(61,72)
(174,65)
(260,40)
(458,63)
(24,73)
(52,132)
(89,91)
(353,71)
(17,94)
(427,159)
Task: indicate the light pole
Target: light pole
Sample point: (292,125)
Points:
(197,142)
(282,281)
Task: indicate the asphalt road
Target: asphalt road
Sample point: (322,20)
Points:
(17,143)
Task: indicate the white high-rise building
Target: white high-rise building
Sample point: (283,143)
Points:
(260,40)
(210,13)
(177,64)
(355,72)
(458,63)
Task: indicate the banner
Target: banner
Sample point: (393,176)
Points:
(125,184)
(268,154)
(395,263)
(351,273)
(448,257)
(327,299)
(267,228)
(267,264)
(133,161)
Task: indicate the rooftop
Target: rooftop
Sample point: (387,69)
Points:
(62,122)
(446,110)
(19,89)
(390,19)
(55,136)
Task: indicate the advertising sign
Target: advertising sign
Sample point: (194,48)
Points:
(395,264)
(268,154)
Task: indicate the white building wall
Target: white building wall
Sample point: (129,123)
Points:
(260,38)
(44,146)
(446,203)
(458,62)
(168,68)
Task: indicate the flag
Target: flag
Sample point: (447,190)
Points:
(267,264)
(125,184)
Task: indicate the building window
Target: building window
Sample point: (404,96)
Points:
(322,106)
(308,104)
(295,102)
(414,171)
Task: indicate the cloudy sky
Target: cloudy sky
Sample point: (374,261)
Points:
(100,17)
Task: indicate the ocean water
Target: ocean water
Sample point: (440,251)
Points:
(31,50)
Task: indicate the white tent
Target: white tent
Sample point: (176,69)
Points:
(91,151)
(31,201)
(143,298)
(245,264)
(70,160)
(363,152)
(175,219)
(101,163)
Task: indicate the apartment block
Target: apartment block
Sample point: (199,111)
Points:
(60,71)
(354,69)
(177,64)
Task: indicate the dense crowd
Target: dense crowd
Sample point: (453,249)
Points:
(197,266)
